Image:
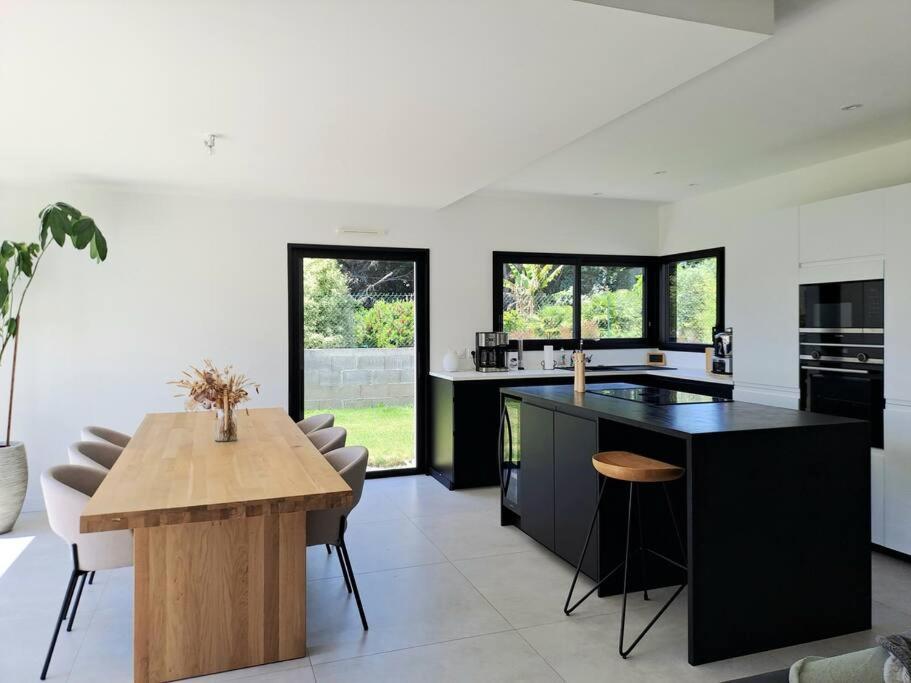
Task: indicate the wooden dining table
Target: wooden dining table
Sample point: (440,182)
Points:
(219,539)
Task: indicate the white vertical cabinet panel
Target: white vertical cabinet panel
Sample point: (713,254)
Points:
(898,293)
(761,302)
(897,478)
(844,227)
(877,498)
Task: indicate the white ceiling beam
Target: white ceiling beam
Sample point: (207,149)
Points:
(748,15)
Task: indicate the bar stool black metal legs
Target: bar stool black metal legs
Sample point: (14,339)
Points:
(644,551)
(569,596)
(637,470)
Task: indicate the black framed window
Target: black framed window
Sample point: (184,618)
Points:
(692,299)
(560,298)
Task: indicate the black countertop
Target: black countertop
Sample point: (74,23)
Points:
(681,419)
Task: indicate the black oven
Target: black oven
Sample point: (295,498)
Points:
(842,351)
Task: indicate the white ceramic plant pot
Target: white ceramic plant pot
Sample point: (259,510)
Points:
(13,483)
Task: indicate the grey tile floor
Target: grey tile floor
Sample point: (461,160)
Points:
(450,595)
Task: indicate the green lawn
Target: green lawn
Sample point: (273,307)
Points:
(386,431)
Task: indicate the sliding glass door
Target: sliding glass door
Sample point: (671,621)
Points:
(358,340)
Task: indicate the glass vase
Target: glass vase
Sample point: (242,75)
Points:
(225,425)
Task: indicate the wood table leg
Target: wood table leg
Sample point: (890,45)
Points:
(214,596)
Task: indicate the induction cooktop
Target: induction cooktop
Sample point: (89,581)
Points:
(654,395)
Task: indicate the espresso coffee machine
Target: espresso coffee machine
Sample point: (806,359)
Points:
(723,355)
(490,352)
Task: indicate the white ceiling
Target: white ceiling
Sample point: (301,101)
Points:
(416,102)
(774,108)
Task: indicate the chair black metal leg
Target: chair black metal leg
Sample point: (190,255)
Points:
(91,578)
(328,549)
(357,596)
(62,616)
(642,552)
(341,563)
(69,626)
(591,528)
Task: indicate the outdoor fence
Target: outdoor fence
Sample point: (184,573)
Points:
(358,378)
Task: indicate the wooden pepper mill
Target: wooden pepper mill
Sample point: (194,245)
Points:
(579,368)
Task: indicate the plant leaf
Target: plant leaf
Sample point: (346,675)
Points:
(56,220)
(99,246)
(7,250)
(83,231)
(11,327)
(72,213)
(24,260)
(59,226)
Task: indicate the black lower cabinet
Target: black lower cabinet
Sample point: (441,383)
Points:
(465,417)
(575,489)
(536,490)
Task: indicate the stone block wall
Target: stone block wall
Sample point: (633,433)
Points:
(352,378)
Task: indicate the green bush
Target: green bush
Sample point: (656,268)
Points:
(387,325)
(694,300)
(614,314)
(606,314)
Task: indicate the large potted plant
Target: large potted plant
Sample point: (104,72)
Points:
(19,263)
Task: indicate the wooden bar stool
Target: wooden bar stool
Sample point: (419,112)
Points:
(637,470)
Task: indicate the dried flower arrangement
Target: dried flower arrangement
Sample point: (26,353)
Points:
(222,389)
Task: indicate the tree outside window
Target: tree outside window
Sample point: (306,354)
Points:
(692,300)
(538,300)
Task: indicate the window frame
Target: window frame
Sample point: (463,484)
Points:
(649,298)
(664,308)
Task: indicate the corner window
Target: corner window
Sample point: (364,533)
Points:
(692,298)
(541,298)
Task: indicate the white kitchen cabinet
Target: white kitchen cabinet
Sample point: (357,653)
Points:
(842,228)
(897,211)
(761,303)
(877,497)
(897,478)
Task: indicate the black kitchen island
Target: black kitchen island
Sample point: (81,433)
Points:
(775,503)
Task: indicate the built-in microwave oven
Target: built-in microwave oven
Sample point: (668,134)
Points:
(846,307)
(842,351)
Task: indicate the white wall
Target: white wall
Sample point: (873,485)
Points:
(190,277)
(757,223)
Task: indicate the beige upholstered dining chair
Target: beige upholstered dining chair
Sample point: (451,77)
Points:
(327,527)
(96,454)
(314,422)
(67,489)
(105,435)
(328,439)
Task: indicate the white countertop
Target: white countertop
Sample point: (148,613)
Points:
(677,373)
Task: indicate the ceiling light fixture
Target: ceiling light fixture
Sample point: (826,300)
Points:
(852,107)
(660,172)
